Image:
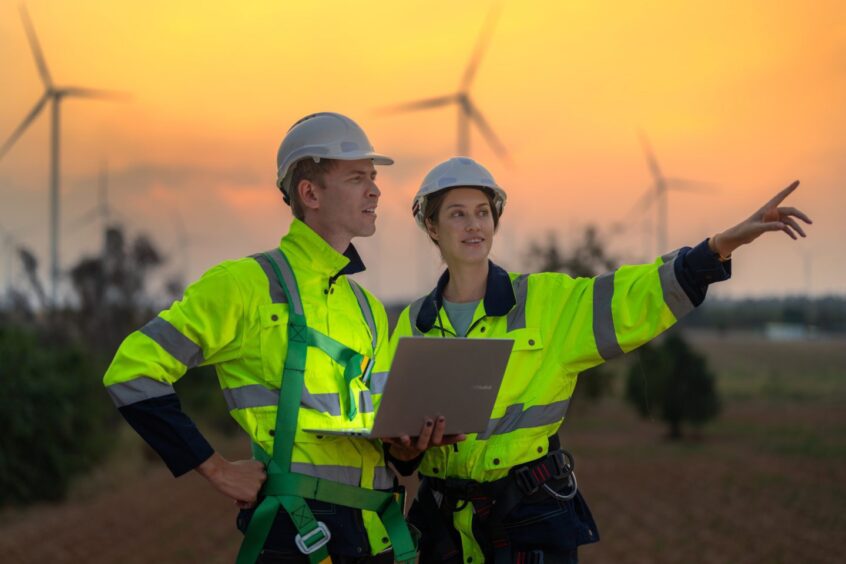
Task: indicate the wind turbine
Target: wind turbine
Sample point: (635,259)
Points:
(102,210)
(657,193)
(467,111)
(53,94)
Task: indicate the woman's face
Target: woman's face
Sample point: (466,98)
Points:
(465,226)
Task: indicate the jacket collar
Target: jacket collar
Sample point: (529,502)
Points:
(305,247)
(499,297)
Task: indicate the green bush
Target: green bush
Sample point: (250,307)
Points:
(673,378)
(55,417)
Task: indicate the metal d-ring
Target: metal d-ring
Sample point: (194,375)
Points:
(567,497)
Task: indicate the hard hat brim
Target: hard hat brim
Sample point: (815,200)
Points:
(377,158)
(351,156)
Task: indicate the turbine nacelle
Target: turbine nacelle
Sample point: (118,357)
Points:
(467,111)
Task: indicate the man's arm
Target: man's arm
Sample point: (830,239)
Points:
(205,327)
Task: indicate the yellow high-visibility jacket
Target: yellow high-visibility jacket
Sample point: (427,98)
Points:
(235,318)
(561,326)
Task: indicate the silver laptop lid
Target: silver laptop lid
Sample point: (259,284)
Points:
(457,378)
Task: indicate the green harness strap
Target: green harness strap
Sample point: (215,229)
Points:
(287,489)
(354,363)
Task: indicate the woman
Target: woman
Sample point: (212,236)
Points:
(509,494)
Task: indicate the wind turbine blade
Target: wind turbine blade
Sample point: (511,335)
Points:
(93,93)
(425,104)
(643,203)
(687,185)
(650,157)
(36,49)
(487,132)
(24,124)
(481,46)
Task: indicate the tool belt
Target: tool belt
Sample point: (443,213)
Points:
(492,501)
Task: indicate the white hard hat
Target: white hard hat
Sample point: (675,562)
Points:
(457,171)
(324,135)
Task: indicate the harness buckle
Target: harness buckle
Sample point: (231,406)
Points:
(307,545)
(563,462)
(525,481)
(574,488)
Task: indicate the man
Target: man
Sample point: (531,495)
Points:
(289,335)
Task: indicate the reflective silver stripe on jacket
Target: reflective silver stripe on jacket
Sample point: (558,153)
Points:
(516,418)
(175,343)
(256,395)
(670,256)
(365,310)
(378,381)
(365,403)
(603,317)
(517,315)
(290,280)
(325,403)
(277,294)
(139,389)
(349,475)
(413,312)
(383,479)
(674,295)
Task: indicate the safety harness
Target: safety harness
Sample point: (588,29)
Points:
(493,501)
(289,490)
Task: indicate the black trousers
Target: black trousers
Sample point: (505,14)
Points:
(348,544)
(544,525)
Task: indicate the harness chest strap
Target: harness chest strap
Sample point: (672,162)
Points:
(287,489)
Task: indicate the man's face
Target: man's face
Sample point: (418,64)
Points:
(348,199)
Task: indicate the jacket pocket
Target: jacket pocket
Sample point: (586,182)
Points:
(274,341)
(551,524)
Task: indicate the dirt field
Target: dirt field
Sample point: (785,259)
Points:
(766,483)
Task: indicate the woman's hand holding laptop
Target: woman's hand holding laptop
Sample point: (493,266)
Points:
(431,435)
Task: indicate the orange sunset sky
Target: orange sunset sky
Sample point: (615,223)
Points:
(744,96)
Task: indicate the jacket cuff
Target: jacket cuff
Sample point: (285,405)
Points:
(699,267)
(169,431)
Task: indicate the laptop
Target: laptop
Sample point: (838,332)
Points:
(457,378)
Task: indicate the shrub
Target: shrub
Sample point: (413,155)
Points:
(672,377)
(54,415)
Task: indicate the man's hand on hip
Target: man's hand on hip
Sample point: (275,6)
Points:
(240,480)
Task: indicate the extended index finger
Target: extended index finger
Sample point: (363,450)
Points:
(778,198)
